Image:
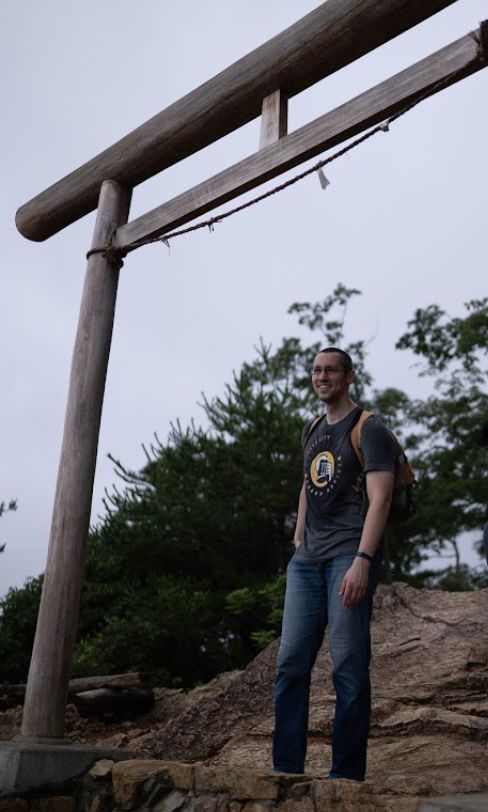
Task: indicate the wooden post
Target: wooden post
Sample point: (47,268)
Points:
(274,118)
(57,621)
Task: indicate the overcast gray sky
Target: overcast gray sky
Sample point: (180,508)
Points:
(404,220)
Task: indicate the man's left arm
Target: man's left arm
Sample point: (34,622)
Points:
(379,488)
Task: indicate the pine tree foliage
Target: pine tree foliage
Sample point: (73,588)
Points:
(5,508)
(185,572)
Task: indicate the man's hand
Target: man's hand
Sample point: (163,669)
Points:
(355,583)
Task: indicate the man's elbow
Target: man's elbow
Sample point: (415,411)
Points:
(381,502)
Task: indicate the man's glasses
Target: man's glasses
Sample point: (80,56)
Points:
(327,370)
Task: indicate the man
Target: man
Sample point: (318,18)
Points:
(332,575)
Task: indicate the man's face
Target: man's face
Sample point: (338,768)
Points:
(329,379)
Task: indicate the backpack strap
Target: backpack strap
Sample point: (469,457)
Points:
(311,427)
(356,435)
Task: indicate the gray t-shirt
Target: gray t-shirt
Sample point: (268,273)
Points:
(334,518)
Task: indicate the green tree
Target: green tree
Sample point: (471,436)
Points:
(12,505)
(18,615)
(185,571)
(210,516)
(449,457)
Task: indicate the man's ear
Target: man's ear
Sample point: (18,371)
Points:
(351,376)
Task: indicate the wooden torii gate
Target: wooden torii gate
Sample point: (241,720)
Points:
(330,37)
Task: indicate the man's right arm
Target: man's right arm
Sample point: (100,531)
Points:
(302,512)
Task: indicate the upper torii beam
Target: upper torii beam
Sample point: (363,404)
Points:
(325,40)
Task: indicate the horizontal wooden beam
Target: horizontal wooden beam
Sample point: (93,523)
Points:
(333,35)
(452,63)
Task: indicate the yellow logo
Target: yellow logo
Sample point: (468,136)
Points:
(322,469)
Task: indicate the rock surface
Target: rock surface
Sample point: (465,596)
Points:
(430,703)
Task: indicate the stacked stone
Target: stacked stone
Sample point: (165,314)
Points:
(158,786)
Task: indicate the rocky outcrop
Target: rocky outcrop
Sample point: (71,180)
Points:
(430,711)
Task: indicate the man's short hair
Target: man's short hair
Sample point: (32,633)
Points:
(347,364)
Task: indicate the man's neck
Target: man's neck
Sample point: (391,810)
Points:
(337,411)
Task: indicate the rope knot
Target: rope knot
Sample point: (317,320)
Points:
(114,256)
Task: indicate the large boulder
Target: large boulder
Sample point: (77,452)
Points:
(430,701)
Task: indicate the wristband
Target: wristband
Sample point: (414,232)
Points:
(368,557)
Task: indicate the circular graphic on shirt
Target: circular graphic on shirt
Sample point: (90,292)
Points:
(322,469)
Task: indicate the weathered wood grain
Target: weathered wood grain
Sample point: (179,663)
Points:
(456,61)
(13,695)
(274,118)
(54,642)
(130,680)
(331,36)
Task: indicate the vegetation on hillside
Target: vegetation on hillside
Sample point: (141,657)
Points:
(184,573)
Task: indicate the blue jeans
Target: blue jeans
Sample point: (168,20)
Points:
(312,602)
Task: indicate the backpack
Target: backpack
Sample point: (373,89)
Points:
(402,504)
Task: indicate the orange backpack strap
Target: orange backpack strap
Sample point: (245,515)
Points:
(356,435)
(311,427)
